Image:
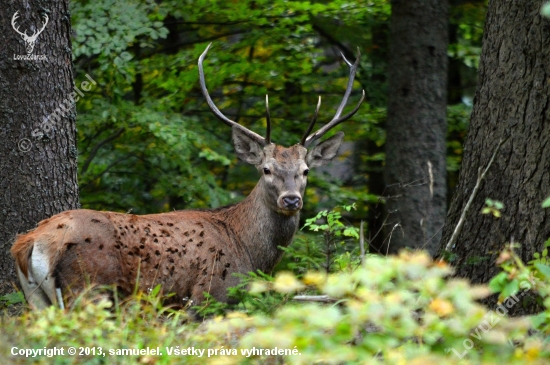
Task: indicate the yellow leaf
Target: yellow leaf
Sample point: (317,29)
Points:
(441,307)
(314,278)
(286,282)
(257,287)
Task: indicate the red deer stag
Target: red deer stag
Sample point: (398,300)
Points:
(188,252)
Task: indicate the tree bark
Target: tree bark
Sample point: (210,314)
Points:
(38,158)
(415,147)
(511,104)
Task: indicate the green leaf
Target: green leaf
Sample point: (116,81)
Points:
(543,269)
(498,282)
(546,203)
(13,298)
(126,56)
(156,290)
(510,289)
(539,320)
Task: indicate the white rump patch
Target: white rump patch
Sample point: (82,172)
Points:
(39,288)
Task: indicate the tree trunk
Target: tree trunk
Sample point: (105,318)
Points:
(415,146)
(38,159)
(511,104)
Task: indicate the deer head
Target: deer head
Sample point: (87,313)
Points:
(29,40)
(284,170)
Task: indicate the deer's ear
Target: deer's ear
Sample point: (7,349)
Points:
(325,151)
(246,148)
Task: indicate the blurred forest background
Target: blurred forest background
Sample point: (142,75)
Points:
(148,143)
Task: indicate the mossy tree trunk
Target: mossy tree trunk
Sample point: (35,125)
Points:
(38,159)
(415,172)
(511,104)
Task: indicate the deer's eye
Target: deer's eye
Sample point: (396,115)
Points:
(306,171)
(267,171)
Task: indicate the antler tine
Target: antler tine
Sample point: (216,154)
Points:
(311,124)
(337,119)
(353,70)
(215,109)
(346,60)
(321,132)
(268,121)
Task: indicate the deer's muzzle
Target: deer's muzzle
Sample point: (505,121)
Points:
(290,203)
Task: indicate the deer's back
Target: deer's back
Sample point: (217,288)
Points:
(188,252)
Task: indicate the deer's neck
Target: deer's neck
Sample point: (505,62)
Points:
(260,230)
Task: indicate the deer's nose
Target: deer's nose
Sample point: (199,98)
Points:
(291,201)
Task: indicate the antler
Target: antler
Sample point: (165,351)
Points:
(261,140)
(13,19)
(337,119)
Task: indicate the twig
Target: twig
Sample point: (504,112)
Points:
(97,147)
(371,239)
(431,175)
(314,298)
(428,241)
(362,242)
(91,181)
(391,233)
(480,177)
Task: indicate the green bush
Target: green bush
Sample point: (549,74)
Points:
(391,310)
